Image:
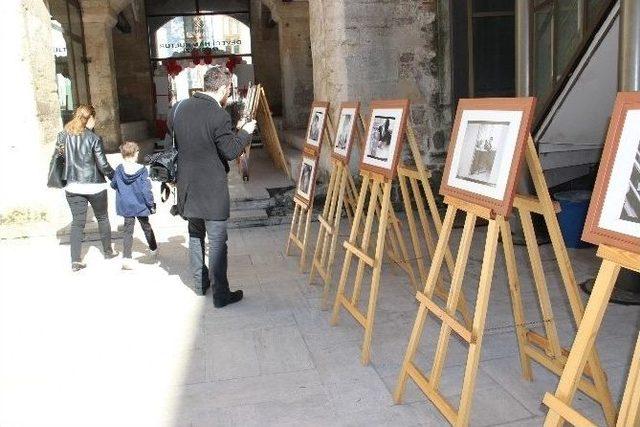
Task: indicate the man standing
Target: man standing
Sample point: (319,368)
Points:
(206,141)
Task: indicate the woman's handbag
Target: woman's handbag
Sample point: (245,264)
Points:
(56,166)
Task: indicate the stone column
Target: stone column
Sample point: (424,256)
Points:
(384,50)
(99,20)
(523,48)
(30,112)
(296,64)
(629,54)
(265,46)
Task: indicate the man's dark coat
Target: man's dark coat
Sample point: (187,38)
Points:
(206,140)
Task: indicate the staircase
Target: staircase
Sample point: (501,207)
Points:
(576,84)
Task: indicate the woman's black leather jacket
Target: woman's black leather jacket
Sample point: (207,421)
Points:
(85,160)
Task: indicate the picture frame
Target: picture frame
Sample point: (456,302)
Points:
(384,138)
(306,184)
(347,126)
(613,217)
(317,124)
(486,151)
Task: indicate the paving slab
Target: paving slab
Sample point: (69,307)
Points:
(140,348)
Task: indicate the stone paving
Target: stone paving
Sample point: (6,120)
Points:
(105,347)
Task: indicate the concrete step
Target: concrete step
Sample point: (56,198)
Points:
(248,218)
(254,204)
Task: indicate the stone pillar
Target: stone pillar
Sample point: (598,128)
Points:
(30,112)
(629,53)
(99,20)
(265,46)
(523,48)
(383,50)
(295,61)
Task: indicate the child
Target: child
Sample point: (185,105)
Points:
(133,200)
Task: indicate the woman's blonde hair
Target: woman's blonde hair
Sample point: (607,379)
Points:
(81,116)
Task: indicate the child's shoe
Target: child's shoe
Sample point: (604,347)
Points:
(127,264)
(153,255)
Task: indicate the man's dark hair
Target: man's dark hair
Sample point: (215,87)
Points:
(215,78)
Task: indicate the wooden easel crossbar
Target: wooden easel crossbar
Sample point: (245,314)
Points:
(413,181)
(545,350)
(302,212)
(560,409)
(374,184)
(341,182)
(377,187)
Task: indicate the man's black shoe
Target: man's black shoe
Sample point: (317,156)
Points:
(230,298)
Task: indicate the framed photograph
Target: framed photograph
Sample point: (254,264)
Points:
(385,136)
(307,179)
(345,132)
(614,213)
(486,151)
(249,100)
(315,131)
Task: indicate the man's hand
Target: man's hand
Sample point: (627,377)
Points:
(249,126)
(241,122)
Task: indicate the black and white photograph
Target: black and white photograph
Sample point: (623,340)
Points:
(382,138)
(343,134)
(621,207)
(484,152)
(379,142)
(307,176)
(345,128)
(631,207)
(316,125)
(483,141)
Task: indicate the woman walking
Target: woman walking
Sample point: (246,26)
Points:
(85,168)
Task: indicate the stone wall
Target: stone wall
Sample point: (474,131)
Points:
(30,111)
(265,48)
(133,74)
(99,18)
(296,64)
(376,49)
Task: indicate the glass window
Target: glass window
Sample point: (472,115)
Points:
(68,51)
(542,73)
(568,35)
(594,10)
(493,6)
(217,6)
(179,36)
(170,7)
(494,62)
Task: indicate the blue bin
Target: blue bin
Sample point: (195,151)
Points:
(574,206)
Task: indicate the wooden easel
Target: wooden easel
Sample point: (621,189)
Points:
(378,188)
(269,133)
(417,178)
(302,211)
(340,182)
(545,350)
(583,346)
